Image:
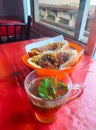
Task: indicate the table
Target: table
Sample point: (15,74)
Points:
(16,112)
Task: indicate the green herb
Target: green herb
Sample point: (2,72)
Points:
(48,88)
(43,88)
(63,85)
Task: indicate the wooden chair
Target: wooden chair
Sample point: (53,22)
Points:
(11,32)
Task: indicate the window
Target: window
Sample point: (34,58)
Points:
(73,18)
(60,15)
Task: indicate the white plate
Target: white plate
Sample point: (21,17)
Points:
(44,42)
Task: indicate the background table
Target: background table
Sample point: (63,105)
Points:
(11,28)
(16,112)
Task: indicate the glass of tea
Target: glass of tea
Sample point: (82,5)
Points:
(49,92)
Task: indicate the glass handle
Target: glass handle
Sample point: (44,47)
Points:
(75,92)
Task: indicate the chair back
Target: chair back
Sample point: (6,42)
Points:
(12,32)
(29,24)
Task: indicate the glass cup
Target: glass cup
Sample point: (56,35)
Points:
(45,110)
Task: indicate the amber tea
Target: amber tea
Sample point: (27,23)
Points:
(48,89)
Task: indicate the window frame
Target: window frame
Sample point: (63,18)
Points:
(82,14)
(91,44)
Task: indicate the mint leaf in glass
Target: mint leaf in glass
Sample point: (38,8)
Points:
(48,88)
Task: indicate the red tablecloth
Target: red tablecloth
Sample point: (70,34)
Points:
(16,112)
